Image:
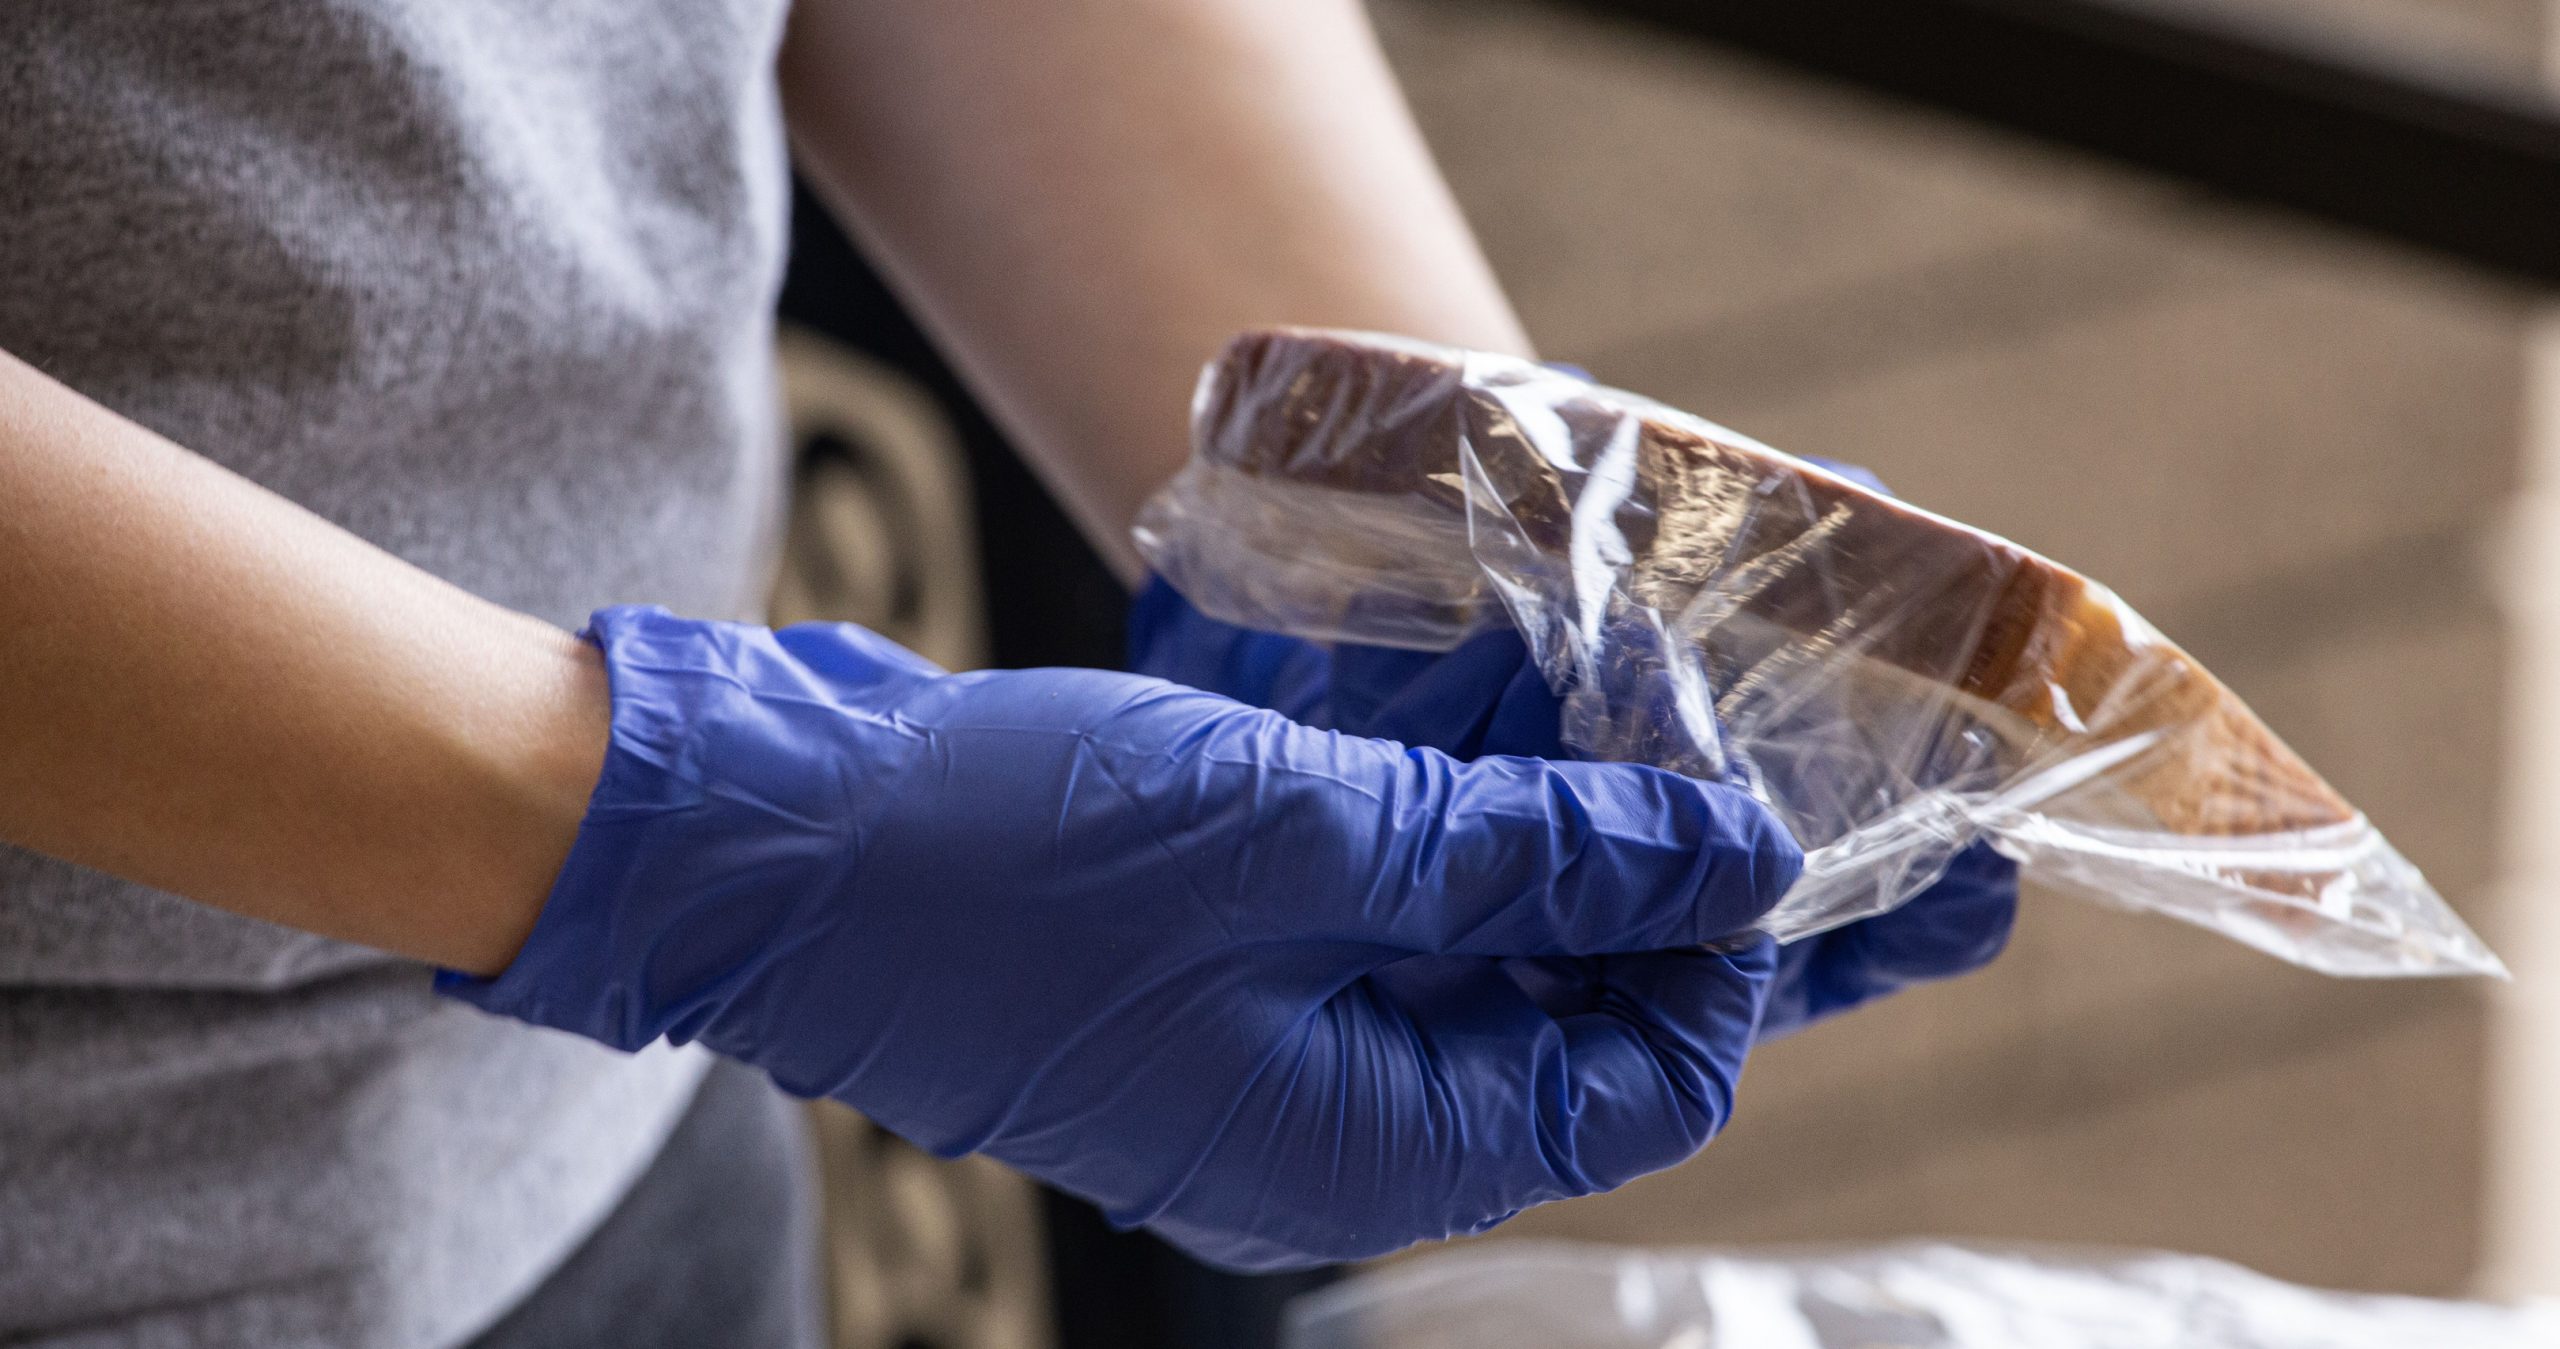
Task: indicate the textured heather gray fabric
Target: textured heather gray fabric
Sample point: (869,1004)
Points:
(488,282)
(714,1247)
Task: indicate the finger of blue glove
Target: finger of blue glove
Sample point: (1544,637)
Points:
(1478,1103)
(1412,848)
(1956,926)
(1652,1067)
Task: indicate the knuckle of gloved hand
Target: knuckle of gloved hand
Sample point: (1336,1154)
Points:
(1696,1107)
(1705,1094)
(1688,861)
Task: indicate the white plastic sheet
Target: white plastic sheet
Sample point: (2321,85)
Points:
(1917,1296)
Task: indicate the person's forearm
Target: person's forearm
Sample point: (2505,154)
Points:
(1084,197)
(206,688)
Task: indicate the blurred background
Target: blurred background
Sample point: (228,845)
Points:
(2304,433)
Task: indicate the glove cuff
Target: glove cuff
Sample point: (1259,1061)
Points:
(608,958)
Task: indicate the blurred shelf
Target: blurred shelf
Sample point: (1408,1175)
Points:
(2450,158)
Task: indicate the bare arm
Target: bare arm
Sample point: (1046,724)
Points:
(206,688)
(1084,197)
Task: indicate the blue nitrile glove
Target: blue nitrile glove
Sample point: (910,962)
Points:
(1487,697)
(1233,978)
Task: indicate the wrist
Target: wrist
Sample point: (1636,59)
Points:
(538,756)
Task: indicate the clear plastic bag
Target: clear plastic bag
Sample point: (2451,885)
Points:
(1508,1295)
(1892,684)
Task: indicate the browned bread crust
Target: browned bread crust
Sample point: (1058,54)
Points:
(2053,662)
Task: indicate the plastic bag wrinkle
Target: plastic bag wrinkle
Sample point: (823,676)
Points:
(1891,684)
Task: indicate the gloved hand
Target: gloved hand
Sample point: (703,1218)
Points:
(1487,697)
(1227,976)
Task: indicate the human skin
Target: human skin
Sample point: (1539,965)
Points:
(207,689)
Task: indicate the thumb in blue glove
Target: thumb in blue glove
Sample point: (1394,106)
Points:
(1226,975)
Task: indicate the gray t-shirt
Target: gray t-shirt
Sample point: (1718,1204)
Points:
(489,284)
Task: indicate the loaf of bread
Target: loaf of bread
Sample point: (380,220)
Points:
(2051,664)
